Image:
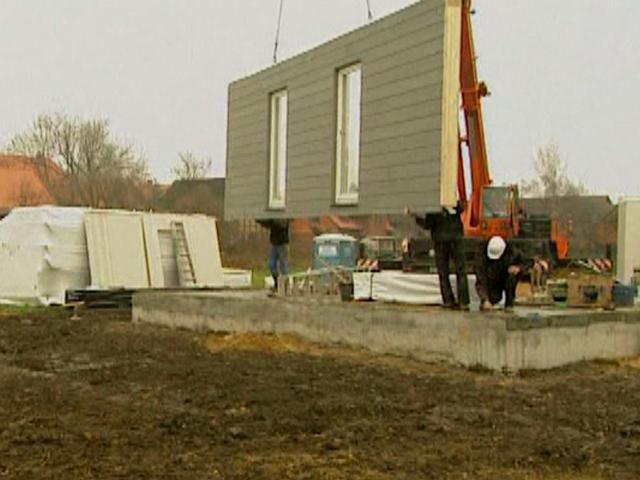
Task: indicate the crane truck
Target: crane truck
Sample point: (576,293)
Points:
(490,209)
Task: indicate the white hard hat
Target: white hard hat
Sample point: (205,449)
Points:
(496,247)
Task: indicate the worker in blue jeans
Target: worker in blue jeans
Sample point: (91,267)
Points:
(279,254)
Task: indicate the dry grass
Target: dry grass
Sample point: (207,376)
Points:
(527,475)
(260,342)
(630,362)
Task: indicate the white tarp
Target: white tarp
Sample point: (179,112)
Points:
(412,288)
(43,253)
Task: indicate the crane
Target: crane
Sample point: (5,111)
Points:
(488,209)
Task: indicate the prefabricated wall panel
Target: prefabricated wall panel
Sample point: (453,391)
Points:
(628,239)
(409,120)
(125,248)
(202,241)
(117,254)
(202,238)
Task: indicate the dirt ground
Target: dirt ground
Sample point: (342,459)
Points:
(104,398)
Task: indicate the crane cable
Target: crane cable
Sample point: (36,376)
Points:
(369,12)
(275,47)
(279,26)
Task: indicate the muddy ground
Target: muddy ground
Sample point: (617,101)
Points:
(103,398)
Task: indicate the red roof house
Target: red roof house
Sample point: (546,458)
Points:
(26,182)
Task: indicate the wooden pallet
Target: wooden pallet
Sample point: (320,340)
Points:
(108,298)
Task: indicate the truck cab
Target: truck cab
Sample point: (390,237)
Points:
(501,211)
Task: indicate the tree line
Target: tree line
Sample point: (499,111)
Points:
(82,163)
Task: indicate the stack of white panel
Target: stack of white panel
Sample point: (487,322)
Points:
(137,250)
(45,251)
(234,278)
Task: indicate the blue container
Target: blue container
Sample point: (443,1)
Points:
(624,295)
(334,250)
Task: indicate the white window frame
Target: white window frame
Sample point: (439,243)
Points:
(278,131)
(347,146)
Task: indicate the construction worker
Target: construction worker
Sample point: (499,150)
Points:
(497,274)
(279,255)
(447,233)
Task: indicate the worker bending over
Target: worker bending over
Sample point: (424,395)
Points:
(447,233)
(497,274)
(279,255)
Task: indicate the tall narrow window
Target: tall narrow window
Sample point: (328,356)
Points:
(348,135)
(278,150)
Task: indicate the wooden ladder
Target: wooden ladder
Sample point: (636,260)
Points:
(186,273)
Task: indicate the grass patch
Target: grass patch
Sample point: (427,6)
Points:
(257,278)
(258,275)
(21,310)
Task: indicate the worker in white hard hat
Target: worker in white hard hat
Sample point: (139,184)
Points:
(497,274)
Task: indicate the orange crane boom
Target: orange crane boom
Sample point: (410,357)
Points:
(493,210)
(472,91)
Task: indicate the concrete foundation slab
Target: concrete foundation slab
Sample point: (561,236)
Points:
(526,339)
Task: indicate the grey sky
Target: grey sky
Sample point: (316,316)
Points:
(159,69)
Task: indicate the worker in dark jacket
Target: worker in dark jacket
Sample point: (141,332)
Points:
(447,234)
(279,254)
(497,274)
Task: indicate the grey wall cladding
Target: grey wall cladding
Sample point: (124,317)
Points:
(401,133)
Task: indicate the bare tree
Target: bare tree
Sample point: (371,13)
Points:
(92,168)
(552,178)
(189,167)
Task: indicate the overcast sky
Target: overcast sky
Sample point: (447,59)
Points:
(566,71)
